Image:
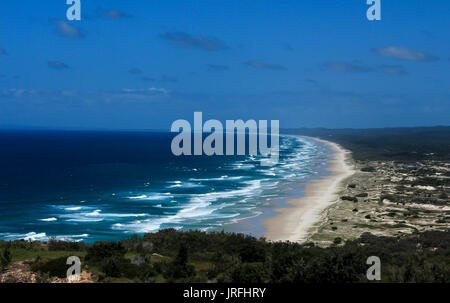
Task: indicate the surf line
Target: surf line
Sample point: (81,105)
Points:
(213,143)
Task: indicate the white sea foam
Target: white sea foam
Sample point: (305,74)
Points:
(80,236)
(179,184)
(49,219)
(82,219)
(73,208)
(200,208)
(138,197)
(221,178)
(243,165)
(253,187)
(203,207)
(34,236)
(269,173)
(152,196)
(97,215)
(175,185)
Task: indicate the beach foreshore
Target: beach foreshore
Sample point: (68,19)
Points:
(296,221)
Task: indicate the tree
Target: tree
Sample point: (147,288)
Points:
(249,273)
(182,256)
(101,251)
(6,257)
(179,268)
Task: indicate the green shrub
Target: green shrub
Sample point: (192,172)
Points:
(348,198)
(179,268)
(101,251)
(252,253)
(54,245)
(249,273)
(5,257)
(54,267)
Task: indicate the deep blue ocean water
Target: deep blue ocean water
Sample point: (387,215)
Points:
(89,186)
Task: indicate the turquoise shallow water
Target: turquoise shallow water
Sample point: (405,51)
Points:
(88,186)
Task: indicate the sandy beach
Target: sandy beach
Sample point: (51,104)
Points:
(294,222)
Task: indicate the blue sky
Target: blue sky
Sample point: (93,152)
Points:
(143,64)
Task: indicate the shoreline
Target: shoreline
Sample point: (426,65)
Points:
(294,222)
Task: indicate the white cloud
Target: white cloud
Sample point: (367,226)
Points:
(403,53)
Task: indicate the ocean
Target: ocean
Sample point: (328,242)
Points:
(90,186)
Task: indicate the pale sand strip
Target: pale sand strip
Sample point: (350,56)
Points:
(292,223)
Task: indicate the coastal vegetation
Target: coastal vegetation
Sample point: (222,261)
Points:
(5,256)
(400,187)
(194,256)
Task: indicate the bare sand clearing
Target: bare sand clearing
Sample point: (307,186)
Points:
(292,223)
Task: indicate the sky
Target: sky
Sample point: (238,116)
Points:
(143,64)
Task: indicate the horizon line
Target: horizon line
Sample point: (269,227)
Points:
(80,129)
